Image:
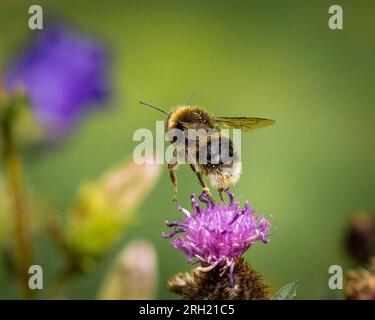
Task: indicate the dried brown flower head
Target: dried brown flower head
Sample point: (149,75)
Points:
(361,283)
(216,284)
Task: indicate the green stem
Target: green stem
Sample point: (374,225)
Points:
(23,255)
(73,268)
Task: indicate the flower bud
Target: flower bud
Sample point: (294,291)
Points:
(133,275)
(104,208)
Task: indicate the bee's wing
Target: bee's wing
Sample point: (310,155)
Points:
(243,123)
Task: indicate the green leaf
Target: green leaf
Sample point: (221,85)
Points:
(288,292)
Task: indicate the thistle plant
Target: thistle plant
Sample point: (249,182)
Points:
(217,236)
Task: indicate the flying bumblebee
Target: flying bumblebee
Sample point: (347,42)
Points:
(221,172)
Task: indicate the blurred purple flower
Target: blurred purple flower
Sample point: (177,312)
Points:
(64,73)
(218,234)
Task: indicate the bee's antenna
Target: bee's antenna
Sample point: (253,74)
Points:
(190,98)
(154,107)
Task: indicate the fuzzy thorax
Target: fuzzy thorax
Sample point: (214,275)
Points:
(188,114)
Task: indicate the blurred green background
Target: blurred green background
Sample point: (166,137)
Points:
(275,59)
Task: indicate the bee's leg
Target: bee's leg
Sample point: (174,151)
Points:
(172,175)
(200,178)
(220,191)
(201,181)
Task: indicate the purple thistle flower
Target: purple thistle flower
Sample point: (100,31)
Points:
(218,234)
(63,73)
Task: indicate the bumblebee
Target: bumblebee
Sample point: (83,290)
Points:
(223,165)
